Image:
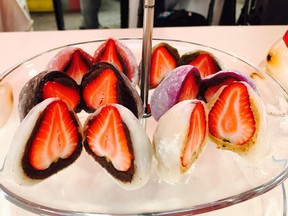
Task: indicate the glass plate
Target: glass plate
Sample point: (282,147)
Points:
(272,203)
(220,178)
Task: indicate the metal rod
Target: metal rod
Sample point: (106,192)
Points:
(146,54)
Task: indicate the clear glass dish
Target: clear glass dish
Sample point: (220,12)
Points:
(272,203)
(220,179)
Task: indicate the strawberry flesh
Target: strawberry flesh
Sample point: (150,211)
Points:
(79,64)
(109,142)
(196,135)
(109,54)
(102,90)
(69,95)
(59,85)
(204,61)
(189,88)
(211,84)
(163,61)
(55,142)
(121,56)
(106,84)
(231,118)
(210,90)
(205,64)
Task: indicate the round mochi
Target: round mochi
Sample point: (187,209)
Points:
(142,148)
(167,93)
(96,89)
(36,87)
(170,139)
(222,113)
(60,60)
(21,137)
(126,55)
(71,60)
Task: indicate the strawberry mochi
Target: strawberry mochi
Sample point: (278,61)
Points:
(236,117)
(118,54)
(48,140)
(181,84)
(179,138)
(234,120)
(73,61)
(164,59)
(53,84)
(117,141)
(105,84)
(204,61)
(184,82)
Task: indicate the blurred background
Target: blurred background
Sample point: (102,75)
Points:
(42,14)
(47,15)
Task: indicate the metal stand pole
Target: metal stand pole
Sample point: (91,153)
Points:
(146,54)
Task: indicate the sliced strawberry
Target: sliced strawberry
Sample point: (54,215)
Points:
(106,84)
(79,64)
(231,118)
(54,84)
(196,135)
(118,54)
(102,90)
(57,84)
(205,62)
(109,54)
(190,87)
(108,141)
(212,83)
(285,38)
(164,60)
(211,91)
(54,89)
(72,60)
(54,143)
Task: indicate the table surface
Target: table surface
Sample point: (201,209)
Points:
(249,42)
